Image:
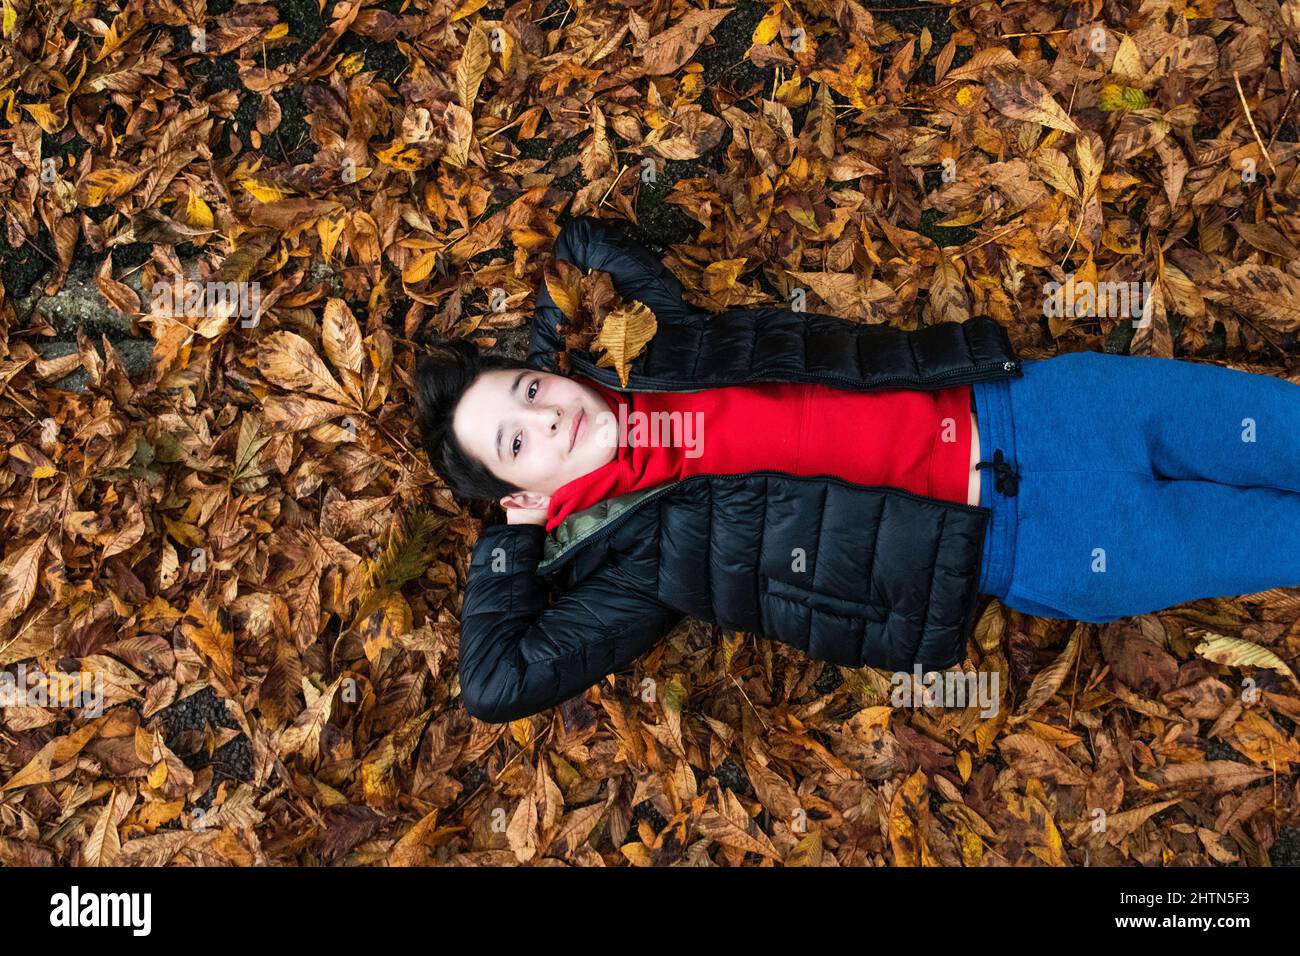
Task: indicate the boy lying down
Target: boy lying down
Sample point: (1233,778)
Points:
(847,489)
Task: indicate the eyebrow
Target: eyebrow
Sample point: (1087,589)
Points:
(514,387)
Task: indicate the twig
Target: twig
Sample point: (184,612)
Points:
(766,728)
(1074,685)
(42,252)
(1044,33)
(14,398)
(556,14)
(1282,119)
(1083,207)
(502,129)
(962,252)
(612,185)
(1236,78)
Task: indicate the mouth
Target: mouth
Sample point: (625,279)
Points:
(577,428)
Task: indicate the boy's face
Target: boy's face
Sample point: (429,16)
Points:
(520,424)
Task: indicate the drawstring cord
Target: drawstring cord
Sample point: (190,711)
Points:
(1008,482)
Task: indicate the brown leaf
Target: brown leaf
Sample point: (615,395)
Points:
(202,627)
(1263,293)
(1032,757)
(119,295)
(668,50)
(1022,97)
(18,577)
(624,335)
(288,360)
(341,337)
(1049,679)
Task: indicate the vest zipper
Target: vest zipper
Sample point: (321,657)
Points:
(975,373)
(548,567)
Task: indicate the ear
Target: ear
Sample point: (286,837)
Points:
(527,500)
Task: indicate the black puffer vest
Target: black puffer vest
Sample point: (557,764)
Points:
(848,573)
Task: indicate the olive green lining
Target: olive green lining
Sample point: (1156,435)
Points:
(581,525)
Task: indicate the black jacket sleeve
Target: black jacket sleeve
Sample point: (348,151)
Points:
(519,657)
(754,343)
(637,274)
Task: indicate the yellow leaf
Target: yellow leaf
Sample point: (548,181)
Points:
(381,630)
(905,810)
(11,107)
(564,283)
(399,156)
(45,117)
(964,765)
(352,64)
(722,274)
(184,533)
(263,192)
(1128,61)
(36,771)
(303,737)
(419,268)
(197,212)
(158,775)
(768,27)
(329,231)
(277,31)
(153,815)
(112,40)
(466,9)
(624,335)
(473,65)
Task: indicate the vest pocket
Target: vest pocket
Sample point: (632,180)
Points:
(824,602)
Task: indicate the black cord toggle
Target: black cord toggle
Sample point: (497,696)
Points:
(1007,481)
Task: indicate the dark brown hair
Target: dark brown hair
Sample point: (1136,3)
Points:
(441,377)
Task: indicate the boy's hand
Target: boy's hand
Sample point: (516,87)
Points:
(526,516)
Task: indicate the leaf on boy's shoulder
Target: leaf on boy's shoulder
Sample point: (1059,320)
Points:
(596,319)
(564,283)
(623,336)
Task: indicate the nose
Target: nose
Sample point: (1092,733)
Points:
(549,419)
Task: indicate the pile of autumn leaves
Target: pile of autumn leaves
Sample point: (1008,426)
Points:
(364,365)
(597,319)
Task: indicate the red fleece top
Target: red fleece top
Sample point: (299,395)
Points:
(918,440)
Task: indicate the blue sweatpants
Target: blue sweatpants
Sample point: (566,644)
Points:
(1133,484)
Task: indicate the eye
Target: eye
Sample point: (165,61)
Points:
(532,393)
